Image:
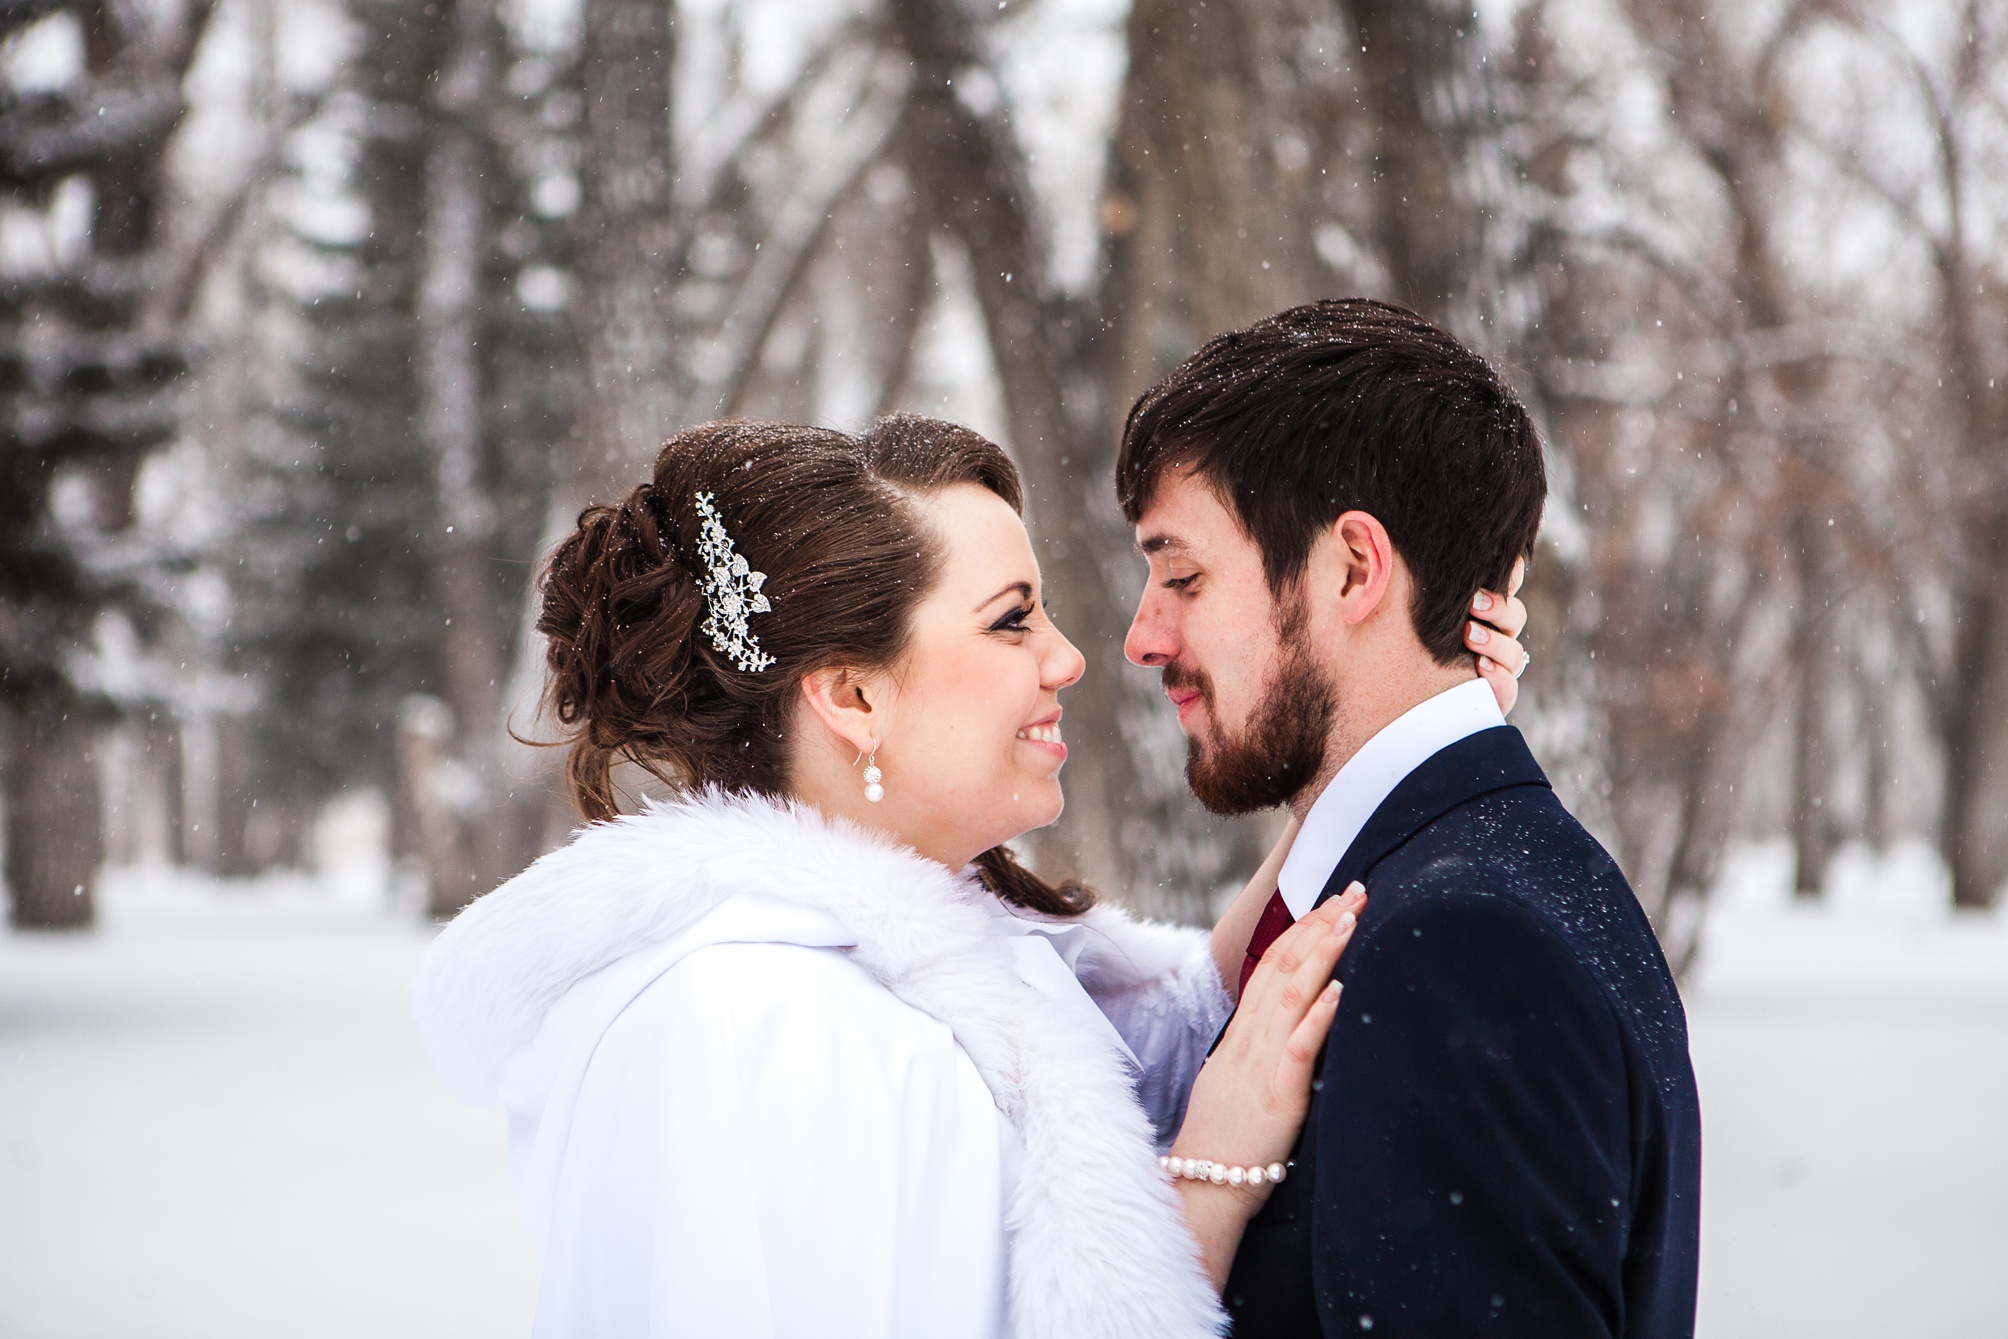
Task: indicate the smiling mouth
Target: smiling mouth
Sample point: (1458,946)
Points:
(1042,734)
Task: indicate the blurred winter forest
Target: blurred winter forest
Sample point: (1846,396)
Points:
(320,319)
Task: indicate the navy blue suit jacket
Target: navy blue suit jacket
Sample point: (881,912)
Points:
(1505,1137)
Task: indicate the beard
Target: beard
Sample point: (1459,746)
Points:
(1282,747)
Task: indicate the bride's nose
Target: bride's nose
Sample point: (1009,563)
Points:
(1062,665)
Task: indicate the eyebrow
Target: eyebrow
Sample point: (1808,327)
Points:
(1022,589)
(1161,544)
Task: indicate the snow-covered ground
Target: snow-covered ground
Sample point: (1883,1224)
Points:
(215,1121)
(1853,1062)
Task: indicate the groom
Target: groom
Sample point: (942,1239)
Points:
(1505,1139)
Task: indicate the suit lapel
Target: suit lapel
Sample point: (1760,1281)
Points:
(1491,760)
(1476,765)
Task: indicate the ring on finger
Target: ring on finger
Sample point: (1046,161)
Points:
(1526,659)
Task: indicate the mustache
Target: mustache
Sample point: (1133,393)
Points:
(1182,678)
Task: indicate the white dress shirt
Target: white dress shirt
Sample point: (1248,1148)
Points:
(1053,973)
(1370,776)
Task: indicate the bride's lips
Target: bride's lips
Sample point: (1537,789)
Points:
(1044,735)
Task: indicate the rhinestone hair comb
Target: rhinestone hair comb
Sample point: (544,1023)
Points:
(732,593)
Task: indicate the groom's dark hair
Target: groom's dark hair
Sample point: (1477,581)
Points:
(1352,405)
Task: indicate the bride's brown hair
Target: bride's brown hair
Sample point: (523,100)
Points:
(830,518)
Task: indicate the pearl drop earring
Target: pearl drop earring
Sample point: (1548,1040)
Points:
(874,792)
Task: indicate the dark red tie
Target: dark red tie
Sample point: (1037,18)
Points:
(1276,918)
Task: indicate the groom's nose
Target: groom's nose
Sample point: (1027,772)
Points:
(1152,639)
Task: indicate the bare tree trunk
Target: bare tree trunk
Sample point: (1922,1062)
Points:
(1812,761)
(1974,706)
(1973,831)
(1812,818)
(229,847)
(434,794)
(475,644)
(55,833)
(1197,149)
(1448,225)
(161,735)
(626,241)
(1874,683)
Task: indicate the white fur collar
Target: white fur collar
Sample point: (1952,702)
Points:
(1097,1243)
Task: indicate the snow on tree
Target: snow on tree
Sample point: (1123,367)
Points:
(401,468)
(93,342)
(1744,264)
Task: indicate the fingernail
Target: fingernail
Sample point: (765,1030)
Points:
(1356,887)
(1485,665)
(1332,991)
(1480,602)
(1479,635)
(1345,922)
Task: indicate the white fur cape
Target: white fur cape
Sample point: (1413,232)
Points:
(1096,1243)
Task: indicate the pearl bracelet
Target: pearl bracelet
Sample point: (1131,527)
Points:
(1220,1174)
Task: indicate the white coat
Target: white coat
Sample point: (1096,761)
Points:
(767,1075)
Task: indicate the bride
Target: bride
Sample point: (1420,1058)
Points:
(805,1051)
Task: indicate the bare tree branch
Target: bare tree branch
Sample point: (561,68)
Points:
(797,226)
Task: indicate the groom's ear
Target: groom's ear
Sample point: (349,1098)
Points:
(1358,545)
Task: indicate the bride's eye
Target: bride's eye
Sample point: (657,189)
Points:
(1014,621)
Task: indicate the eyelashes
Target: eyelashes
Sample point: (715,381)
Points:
(1013,621)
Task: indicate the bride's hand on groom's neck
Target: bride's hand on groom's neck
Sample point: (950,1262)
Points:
(1492,636)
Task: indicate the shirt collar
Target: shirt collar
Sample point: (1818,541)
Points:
(1066,938)
(1370,776)
(1047,955)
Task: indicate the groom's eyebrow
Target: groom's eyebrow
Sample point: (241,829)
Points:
(1151,544)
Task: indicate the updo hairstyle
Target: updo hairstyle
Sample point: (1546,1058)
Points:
(831,519)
